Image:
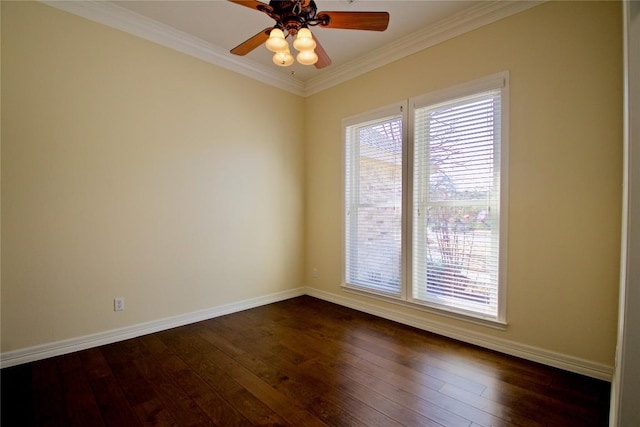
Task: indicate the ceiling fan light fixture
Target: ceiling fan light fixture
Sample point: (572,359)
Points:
(276,41)
(307,57)
(304,40)
(294,17)
(283,58)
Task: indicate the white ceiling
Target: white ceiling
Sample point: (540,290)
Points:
(226,24)
(209,29)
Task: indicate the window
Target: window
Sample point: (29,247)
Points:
(374,202)
(442,164)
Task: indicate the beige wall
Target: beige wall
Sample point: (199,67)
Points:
(565,63)
(131,170)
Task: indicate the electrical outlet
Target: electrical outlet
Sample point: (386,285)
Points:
(118,304)
(315,273)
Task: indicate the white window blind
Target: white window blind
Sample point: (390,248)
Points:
(425,200)
(373,202)
(456,204)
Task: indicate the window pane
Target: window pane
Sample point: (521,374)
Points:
(459,258)
(456,204)
(374,205)
(458,142)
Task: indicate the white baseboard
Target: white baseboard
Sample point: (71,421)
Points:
(30,354)
(535,354)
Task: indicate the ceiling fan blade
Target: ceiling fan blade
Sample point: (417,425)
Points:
(372,21)
(253,4)
(323,58)
(252,43)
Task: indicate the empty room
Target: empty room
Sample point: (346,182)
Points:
(426,217)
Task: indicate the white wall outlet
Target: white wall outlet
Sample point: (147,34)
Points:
(118,304)
(315,273)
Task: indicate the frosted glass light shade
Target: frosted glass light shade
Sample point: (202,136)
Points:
(304,40)
(283,59)
(307,57)
(276,41)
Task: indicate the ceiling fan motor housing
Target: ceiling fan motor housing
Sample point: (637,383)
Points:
(293,15)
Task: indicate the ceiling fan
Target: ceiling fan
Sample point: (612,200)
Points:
(294,17)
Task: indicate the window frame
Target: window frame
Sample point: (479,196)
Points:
(381,114)
(498,81)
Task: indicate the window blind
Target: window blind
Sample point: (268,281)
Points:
(373,196)
(456,201)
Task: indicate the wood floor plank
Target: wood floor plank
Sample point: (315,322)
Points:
(348,336)
(340,379)
(430,375)
(219,411)
(519,374)
(432,403)
(300,362)
(114,407)
(560,412)
(401,407)
(314,397)
(159,372)
(79,400)
(308,388)
(307,394)
(47,394)
(286,407)
(503,412)
(154,413)
(334,376)
(94,364)
(252,398)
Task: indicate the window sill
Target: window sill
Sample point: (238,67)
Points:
(482,321)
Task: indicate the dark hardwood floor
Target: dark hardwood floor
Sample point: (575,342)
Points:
(301,362)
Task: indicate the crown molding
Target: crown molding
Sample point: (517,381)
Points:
(481,14)
(117,17)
